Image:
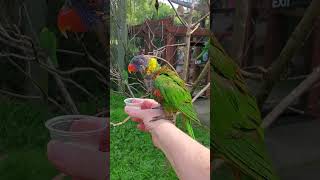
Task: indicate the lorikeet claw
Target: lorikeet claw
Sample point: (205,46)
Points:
(156,118)
(158,107)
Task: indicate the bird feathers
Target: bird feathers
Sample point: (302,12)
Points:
(236,133)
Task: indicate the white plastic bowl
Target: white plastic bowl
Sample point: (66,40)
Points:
(136,102)
(78,129)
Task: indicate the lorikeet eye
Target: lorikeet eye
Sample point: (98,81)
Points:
(141,68)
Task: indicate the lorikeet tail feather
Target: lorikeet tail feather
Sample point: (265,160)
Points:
(188,124)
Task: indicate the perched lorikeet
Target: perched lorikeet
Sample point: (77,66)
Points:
(167,88)
(83,16)
(236,135)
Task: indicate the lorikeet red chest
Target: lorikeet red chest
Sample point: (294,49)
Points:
(157,93)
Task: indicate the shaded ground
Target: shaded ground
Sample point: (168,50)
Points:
(295,148)
(203,108)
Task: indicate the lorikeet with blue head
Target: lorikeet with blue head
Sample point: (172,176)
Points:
(83,16)
(167,88)
(236,135)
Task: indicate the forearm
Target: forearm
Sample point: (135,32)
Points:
(190,159)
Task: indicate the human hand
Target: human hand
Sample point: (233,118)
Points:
(144,115)
(80,162)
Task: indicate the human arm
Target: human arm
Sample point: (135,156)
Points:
(190,159)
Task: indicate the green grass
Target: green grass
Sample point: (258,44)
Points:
(132,155)
(29,164)
(23,141)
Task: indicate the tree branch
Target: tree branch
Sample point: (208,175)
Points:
(177,14)
(63,90)
(199,20)
(33,97)
(297,92)
(200,77)
(250,75)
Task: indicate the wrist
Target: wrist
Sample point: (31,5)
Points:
(162,124)
(158,131)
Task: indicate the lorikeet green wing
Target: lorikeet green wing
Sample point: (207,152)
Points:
(48,42)
(236,135)
(175,97)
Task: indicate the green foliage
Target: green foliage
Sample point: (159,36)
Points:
(140,10)
(132,153)
(48,42)
(125,75)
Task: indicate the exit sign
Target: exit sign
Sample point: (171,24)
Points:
(290,3)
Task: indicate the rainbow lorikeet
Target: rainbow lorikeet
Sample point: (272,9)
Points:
(236,135)
(83,16)
(167,88)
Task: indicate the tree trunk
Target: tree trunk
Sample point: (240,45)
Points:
(241,32)
(188,41)
(122,34)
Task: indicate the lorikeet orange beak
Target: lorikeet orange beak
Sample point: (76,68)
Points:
(132,68)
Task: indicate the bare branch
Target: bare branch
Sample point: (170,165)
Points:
(203,73)
(70,52)
(63,89)
(16,56)
(200,92)
(177,14)
(33,97)
(199,20)
(43,93)
(253,76)
(195,28)
(297,92)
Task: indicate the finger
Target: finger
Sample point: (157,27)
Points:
(133,112)
(149,104)
(136,120)
(142,127)
(76,165)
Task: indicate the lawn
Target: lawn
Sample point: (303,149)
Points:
(132,154)
(23,141)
